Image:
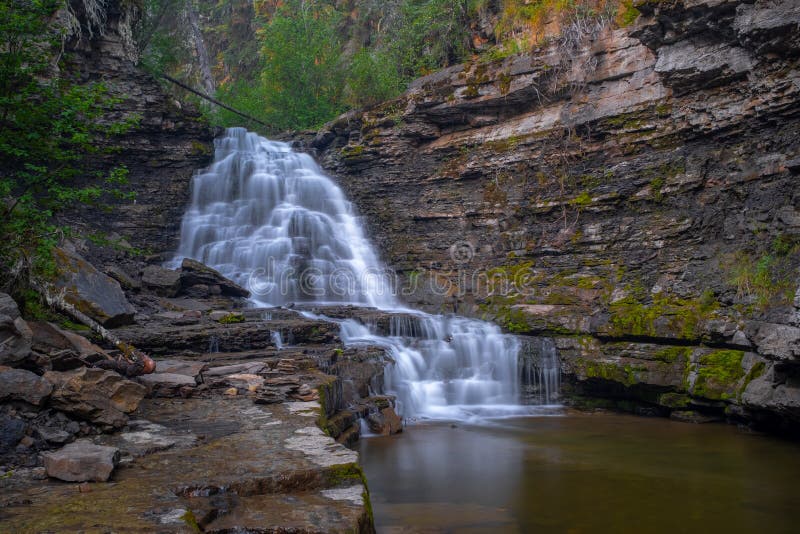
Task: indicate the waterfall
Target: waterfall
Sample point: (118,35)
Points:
(269,218)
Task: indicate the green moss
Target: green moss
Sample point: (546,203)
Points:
(755,371)
(232,318)
(612,372)
(584,199)
(674,400)
(717,373)
(503,145)
(655,186)
(673,354)
(191,521)
(352,151)
(200,149)
(343,474)
(626,13)
(504,82)
(683,318)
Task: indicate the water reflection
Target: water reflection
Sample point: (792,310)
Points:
(582,473)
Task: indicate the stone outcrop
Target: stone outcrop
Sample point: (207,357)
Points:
(631,194)
(90,291)
(161,153)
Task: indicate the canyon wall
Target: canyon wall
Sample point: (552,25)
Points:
(630,193)
(169,143)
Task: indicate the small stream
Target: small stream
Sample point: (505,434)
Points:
(582,473)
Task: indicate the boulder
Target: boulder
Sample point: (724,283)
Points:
(385,422)
(99,396)
(12,430)
(161,281)
(22,385)
(82,461)
(90,291)
(194,273)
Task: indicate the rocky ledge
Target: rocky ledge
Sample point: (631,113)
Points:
(629,192)
(241,428)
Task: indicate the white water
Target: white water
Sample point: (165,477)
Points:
(268,218)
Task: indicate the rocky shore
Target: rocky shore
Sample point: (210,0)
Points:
(241,427)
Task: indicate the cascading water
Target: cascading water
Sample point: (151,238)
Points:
(266,216)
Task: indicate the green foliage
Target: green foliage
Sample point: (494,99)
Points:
(767,279)
(48,126)
(372,77)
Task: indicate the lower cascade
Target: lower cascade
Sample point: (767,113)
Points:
(267,217)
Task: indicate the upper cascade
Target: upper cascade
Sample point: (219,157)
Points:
(268,218)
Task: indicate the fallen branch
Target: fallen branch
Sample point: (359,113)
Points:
(132,362)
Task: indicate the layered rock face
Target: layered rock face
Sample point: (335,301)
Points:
(162,152)
(630,193)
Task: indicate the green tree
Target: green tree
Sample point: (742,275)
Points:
(48,127)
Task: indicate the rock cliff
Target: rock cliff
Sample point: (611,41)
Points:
(630,193)
(170,142)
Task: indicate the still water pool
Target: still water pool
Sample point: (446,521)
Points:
(582,473)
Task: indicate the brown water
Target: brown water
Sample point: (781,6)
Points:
(583,473)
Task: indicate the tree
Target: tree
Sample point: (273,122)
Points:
(302,75)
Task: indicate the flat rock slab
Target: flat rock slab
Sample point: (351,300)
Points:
(181,367)
(81,461)
(243,468)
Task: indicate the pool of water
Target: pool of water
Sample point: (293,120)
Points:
(582,473)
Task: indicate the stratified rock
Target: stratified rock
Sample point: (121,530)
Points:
(118,274)
(47,338)
(101,397)
(182,367)
(82,461)
(161,281)
(22,385)
(166,384)
(90,291)
(15,338)
(194,273)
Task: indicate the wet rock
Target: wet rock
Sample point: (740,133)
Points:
(385,422)
(18,384)
(15,336)
(161,281)
(166,384)
(82,461)
(90,291)
(101,397)
(194,273)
